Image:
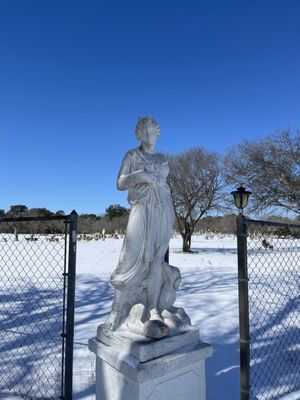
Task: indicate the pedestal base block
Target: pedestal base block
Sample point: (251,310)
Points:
(179,375)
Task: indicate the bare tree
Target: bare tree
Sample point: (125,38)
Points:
(196,186)
(270,168)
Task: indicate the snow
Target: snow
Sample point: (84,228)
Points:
(208,292)
(292,396)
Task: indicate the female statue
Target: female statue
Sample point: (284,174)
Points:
(142,276)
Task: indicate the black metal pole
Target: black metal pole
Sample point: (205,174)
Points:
(70,306)
(243,307)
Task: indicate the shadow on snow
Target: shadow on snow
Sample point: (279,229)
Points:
(30,341)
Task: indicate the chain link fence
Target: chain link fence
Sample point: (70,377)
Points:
(273,280)
(34,270)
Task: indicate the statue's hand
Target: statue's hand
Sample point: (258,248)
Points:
(147,177)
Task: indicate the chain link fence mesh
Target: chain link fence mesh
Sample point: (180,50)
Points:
(274,309)
(32,313)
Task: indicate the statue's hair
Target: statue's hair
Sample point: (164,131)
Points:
(146,122)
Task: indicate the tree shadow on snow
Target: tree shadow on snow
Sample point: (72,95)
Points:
(93,299)
(275,352)
(30,341)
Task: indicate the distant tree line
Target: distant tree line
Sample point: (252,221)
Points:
(201,182)
(91,223)
(114,219)
(226,225)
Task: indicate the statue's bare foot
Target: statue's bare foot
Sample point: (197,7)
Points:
(113,321)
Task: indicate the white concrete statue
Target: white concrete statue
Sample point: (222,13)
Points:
(145,285)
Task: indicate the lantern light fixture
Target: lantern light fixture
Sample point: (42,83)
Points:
(241,197)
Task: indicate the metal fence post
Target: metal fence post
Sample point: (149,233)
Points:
(70,306)
(243,307)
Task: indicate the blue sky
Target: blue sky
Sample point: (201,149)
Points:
(75,76)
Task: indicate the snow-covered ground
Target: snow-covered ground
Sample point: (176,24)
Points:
(208,292)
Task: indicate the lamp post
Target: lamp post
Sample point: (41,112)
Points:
(241,196)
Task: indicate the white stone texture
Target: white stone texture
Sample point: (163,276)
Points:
(145,349)
(179,375)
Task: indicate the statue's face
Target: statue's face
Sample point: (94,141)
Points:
(149,135)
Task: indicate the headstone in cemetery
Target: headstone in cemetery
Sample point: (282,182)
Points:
(147,347)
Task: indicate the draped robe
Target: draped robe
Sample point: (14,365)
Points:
(151,218)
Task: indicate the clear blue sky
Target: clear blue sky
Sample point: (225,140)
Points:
(75,75)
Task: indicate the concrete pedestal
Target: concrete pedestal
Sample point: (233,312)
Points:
(179,375)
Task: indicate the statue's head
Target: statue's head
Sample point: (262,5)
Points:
(146,124)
